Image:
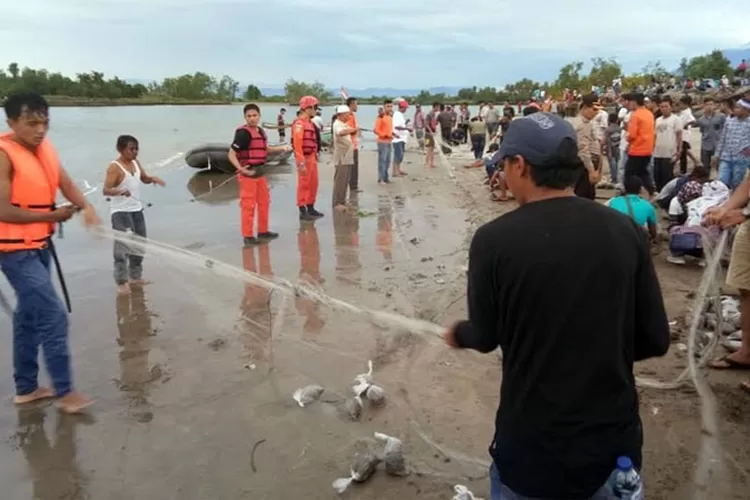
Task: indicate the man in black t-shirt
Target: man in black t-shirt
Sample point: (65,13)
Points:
(570,325)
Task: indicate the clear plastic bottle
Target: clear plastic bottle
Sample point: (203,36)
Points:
(625,481)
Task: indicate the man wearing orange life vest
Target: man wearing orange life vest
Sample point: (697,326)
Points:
(248,154)
(305,142)
(30,176)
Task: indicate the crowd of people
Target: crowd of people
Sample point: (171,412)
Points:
(554,410)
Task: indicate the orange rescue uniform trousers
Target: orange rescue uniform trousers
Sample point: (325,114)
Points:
(307,182)
(253,193)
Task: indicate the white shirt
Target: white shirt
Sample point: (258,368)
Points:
(600,123)
(131,183)
(399,121)
(318,122)
(686,116)
(666,136)
(624,116)
(343,147)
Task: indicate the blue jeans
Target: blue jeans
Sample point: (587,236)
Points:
(40,319)
(384,160)
(399,148)
(614,163)
(732,172)
(498,491)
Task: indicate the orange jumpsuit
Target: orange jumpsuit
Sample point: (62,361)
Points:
(309,256)
(254,309)
(254,191)
(305,144)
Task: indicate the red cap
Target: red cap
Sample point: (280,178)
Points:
(403,104)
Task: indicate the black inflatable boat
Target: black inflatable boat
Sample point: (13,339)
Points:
(214,156)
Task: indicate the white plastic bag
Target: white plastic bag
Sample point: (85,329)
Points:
(463,493)
(364,378)
(306,395)
(395,465)
(375,394)
(363,467)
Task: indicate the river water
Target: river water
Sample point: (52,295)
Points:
(185,373)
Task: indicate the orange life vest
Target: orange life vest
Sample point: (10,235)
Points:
(309,137)
(257,153)
(36,178)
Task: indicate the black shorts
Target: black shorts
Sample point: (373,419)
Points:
(429,141)
(685,146)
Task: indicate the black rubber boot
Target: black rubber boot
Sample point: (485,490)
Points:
(304,214)
(267,236)
(251,241)
(314,213)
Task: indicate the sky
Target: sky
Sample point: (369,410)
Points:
(357,43)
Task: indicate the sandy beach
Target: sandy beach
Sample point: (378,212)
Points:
(194,374)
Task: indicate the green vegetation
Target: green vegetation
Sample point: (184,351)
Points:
(92,89)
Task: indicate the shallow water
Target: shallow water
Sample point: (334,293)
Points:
(186,373)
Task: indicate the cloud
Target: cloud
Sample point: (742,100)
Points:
(402,43)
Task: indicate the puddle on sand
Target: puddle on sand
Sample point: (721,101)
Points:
(193,370)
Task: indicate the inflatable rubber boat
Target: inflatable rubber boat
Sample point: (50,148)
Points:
(215,156)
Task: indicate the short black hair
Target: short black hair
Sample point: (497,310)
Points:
(350,100)
(30,102)
(493,147)
(561,170)
(639,98)
(632,184)
(589,101)
(530,110)
(612,118)
(666,98)
(627,96)
(436,103)
(251,106)
(387,101)
(283,109)
(708,99)
(686,99)
(701,173)
(124,140)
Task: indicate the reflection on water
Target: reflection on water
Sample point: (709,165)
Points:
(134,337)
(255,310)
(346,246)
(309,273)
(213,188)
(53,465)
(384,238)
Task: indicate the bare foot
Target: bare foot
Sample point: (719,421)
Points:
(74,402)
(123,289)
(139,282)
(39,393)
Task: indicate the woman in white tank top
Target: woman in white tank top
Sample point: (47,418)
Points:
(122,186)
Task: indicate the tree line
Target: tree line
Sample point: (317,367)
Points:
(93,85)
(201,86)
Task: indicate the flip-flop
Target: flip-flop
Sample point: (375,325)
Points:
(730,364)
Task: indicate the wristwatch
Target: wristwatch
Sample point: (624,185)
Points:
(746,212)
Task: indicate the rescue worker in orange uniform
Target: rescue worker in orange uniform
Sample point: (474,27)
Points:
(30,176)
(248,155)
(306,147)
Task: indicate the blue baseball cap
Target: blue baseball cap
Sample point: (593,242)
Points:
(536,137)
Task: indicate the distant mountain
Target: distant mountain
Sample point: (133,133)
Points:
(370,91)
(737,55)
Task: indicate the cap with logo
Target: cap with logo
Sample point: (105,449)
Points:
(536,137)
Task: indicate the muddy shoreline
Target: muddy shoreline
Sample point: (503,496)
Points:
(195,370)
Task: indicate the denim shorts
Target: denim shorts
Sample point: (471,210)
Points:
(398,152)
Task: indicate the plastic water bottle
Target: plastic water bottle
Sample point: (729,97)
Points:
(625,481)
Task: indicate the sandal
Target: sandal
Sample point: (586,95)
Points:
(729,364)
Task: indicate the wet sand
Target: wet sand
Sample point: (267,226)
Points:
(189,377)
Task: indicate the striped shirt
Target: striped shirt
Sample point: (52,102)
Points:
(734,143)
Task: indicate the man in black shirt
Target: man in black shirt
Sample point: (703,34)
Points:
(567,289)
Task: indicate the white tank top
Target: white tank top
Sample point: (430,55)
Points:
(132,183)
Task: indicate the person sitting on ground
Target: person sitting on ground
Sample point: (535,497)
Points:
(631,204)
(691,190)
